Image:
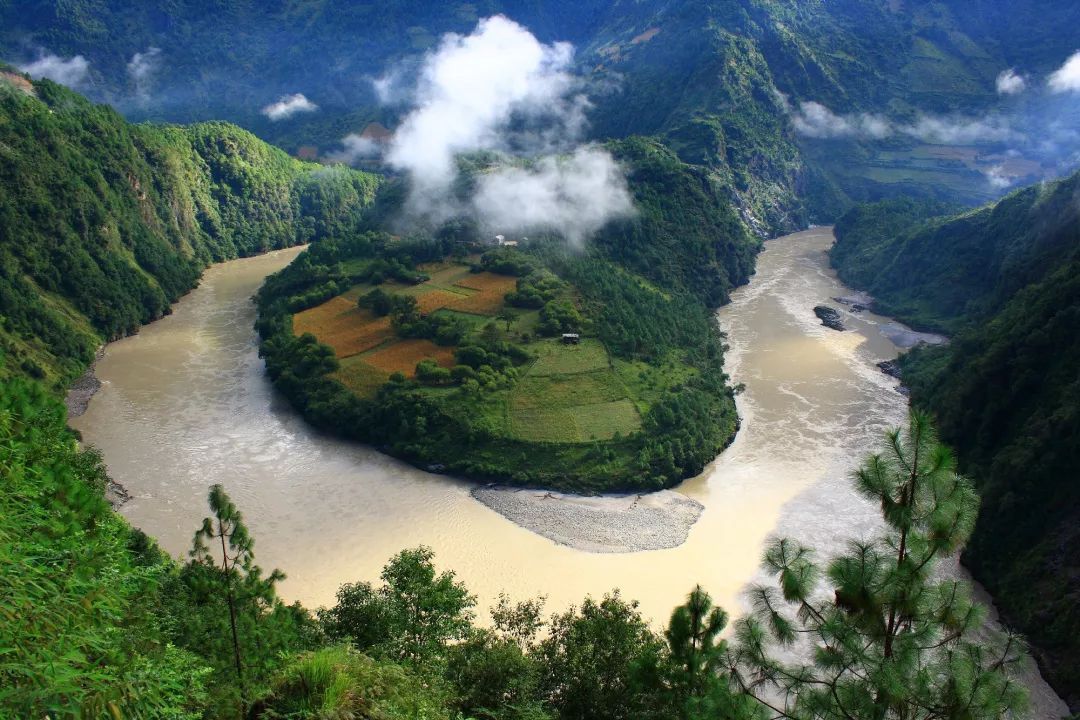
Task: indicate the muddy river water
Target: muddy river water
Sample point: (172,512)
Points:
(185,404)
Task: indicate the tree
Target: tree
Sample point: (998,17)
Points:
(692,639)
(508,316)
(602,661)
(887,640)
(412,617)
(260,628)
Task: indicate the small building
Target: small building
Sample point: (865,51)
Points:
(509,243)
(571,338)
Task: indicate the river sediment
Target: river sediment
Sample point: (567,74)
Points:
(598,524)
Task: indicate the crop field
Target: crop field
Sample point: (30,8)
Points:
(558,359)
(403,356)
(489,291)
(343,326)
(433,300)
(359,377)
(570,395)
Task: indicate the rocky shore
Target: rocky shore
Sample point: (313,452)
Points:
(78,400)
(603,524)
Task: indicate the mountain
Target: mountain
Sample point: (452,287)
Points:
(1006,280)
(104,224)
(721,83)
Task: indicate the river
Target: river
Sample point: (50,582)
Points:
(185,404)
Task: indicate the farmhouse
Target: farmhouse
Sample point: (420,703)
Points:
(571,338)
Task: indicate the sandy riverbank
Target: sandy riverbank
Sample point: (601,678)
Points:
(604,524)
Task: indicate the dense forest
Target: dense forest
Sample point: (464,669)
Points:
(480,387)
(103,224)
(1004,280)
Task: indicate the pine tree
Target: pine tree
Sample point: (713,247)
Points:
(888,640)
(237,578)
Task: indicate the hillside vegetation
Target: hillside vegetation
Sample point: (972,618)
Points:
(705,77)
(104,224)
(1005,279)
(444,350)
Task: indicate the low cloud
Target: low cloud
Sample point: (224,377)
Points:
(1067,77)
(356,147)
(1010,83)
(575,195)
(817,121)
(288,106)
(998,178)
(142,68)
(500,89)
(960,131)
(71,71)
(814,120)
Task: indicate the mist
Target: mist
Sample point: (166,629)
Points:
(142,68)
(500,90)
(71,71)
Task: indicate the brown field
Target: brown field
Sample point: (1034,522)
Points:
(490,296)
(402,356)
(343,326)
(435,299)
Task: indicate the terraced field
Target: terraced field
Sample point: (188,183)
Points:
(571,394)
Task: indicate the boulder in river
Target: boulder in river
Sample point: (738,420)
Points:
(830,317)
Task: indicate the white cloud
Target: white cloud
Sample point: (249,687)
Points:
(817,121)
(1067,77)
(998,178)
(70,72)
(356,147)
(500,89)
(575,195)
(287,106)
(142,67)
(471,88)
(1010,83)
(814,120)
(960,131)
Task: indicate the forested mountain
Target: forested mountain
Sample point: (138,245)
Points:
(722,83)
(104,224)
(1006,280)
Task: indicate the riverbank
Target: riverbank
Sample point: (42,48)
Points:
(83,390)
(598,524)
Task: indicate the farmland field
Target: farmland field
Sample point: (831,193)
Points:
(402,356)
(557,359)
(359,377)
(343,326)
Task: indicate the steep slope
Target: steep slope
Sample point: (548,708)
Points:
(1006,391)
(706,77)
(103,224)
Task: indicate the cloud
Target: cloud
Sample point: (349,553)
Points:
(817,121)
(1009,83)
(1067,77)
(356,147)
(287,106)
(575,195)
(70,72)
(142,67)
(814,120)
(997,177)
(500,89)
(470,90)
(960,131)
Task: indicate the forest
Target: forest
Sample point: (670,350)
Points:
(1002,280)
(104,224)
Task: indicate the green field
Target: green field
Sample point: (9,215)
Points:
(554,358)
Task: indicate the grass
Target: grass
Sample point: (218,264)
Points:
(555,358)
(402,356)
(597,386)
(359,377)
(343,326)
(580,423)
